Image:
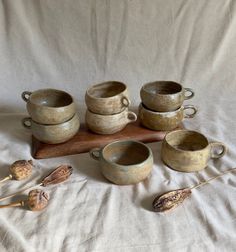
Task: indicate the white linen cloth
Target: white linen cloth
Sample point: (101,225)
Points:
(70,45)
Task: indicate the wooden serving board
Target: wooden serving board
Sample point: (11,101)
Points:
(85,140)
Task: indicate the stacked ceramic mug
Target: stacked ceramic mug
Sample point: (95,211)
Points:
(53,118)
(162,105)
(108,105)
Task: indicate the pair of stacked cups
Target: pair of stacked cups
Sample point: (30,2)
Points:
(108,108)
(53,118)
(162,105)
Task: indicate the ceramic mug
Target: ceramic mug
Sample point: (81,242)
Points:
(124,162)
(49,106)
(109,124)
(165,120)
(164,96)
(189,151)
(107,98)
(53,134)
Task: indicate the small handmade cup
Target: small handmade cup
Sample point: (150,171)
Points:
(124,162)
(189,151)
(109,124)
(164,120)
(49,106)
(53,134)
(164,96)
(107,98)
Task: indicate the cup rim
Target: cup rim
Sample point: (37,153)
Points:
(122,141)
(108,115)
(53,90)
(142,105)
(58,124)
(144,87)
(189,131)
(105,83)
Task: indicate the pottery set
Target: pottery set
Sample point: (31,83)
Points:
(162,105)
(107,108)
(53,118)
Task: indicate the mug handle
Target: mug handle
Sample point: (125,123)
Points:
(131,116)
(191,107)
(95,153)
(187,97)
(25,121)
(125,101)
(25,95)
(217,145)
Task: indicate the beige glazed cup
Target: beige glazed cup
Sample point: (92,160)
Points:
(109,124)
(189,151)
(164,96)
(107,98)
(49,106)
(124,162)
(53,134)
(165,120)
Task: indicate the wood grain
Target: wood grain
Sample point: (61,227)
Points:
(85,140)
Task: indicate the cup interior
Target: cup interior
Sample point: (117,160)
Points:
(186,140)
(126,153)
(162,87)
(107,89)
(51,98)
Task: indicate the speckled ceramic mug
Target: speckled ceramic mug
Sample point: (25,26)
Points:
(107,98)
(164,96)
(53,134)
(165,120)
(109,124)
(189,151)
(124,162)
(49,106)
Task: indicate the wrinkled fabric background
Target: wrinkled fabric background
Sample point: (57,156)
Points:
(71,45)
